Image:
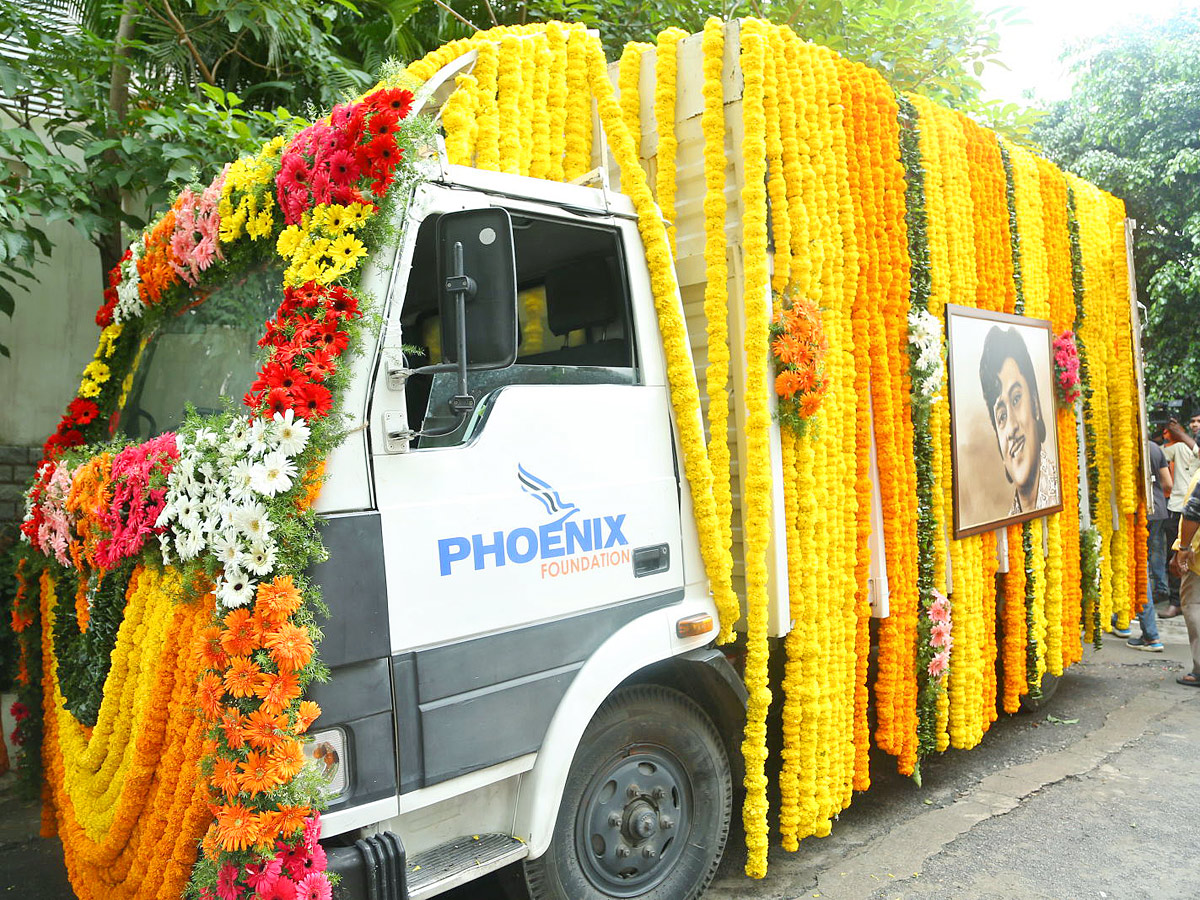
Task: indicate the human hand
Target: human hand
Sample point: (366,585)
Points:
(1181,562)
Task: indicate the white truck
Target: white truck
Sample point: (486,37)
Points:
(522,641)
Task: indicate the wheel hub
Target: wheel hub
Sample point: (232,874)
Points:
(632,825)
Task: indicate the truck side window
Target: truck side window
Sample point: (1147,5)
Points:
(573,313)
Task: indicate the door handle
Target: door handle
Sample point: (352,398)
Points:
(651,560)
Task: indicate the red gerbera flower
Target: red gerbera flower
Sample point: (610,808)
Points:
(342,303)
(311,400)
(398,100)
(293,171)
(320,367)
(343,168)
(83,410)
(279,400)
(382,123)
(330,338)
(274,375)
(308,294)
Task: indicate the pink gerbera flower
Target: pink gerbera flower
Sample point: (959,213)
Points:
(314,887)
(940,635)
(227,883)
(939,664)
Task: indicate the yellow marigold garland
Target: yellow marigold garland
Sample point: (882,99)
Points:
(757,499)
(665,63)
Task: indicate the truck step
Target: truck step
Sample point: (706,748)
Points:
(456,862)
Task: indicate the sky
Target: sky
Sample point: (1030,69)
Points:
(1031,50)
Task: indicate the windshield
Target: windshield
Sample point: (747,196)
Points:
(206,353)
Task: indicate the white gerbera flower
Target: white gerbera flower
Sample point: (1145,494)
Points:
(257,438)
(291,434)
(260,558)
(240,479)
(251,520)
(273,475)
(235,588)
(228,552)
(189,544)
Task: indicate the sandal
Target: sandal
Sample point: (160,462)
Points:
(1189,679)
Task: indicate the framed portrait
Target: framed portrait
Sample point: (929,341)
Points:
(1002,419)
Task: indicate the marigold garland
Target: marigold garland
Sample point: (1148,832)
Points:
(827,144)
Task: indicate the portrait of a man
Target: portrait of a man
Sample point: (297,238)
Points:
(1005,462)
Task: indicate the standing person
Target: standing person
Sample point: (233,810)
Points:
(1183,454)
(1157,587)
(1187,565)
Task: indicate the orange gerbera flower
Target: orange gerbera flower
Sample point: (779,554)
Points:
(278,600)
(787,383)
(225,776)
(307,715)
(262,729)
(290,646)
(259,774)
(238,638)
(288,759)
(209,692)
(232,723)
(806,377)
(277,691)
(788,349)
(289,819)
(242,676)
(237,827)
(212,654)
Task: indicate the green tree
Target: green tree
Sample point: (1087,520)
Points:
(938,48)
(1132,126)
(109,106)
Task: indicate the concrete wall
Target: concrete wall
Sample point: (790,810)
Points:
(51,336)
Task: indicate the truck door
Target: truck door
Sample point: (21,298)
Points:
(517,544)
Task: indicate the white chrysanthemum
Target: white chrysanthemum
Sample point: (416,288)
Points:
(129,300)
(251,520)
(260,558)
(273,475)
(204,437)
(235,588)
(291,434)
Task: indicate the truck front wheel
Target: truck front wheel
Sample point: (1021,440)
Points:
(645,812)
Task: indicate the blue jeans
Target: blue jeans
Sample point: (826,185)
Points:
(1158,586)
(1148,619)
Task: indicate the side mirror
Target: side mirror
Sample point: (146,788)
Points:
(476,261)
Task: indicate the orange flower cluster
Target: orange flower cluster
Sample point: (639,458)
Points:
(129,811)
(155,271)
(799,345)
(91,492)
(249,696)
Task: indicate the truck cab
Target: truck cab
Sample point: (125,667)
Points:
(508,583)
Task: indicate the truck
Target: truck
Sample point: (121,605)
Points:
(583,420)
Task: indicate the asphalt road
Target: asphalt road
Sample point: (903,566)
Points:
(1092,797)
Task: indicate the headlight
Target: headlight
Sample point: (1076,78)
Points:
(327,752)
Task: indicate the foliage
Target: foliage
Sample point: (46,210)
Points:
(118,104)
(1130,127)
(934,47)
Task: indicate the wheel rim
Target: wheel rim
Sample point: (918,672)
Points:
(634,821)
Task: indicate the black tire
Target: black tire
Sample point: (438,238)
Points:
(1049,686)
(660,839)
